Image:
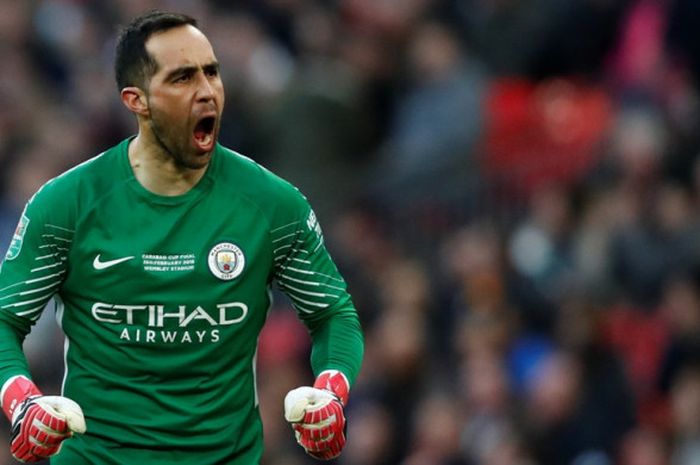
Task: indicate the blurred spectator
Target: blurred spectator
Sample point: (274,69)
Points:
(681,311)
(540,251)
(579,411)
(437,120)
(644,446)
(372,429)
(434,437)
(655,234)
(317,130)
(490,435)
(685,406)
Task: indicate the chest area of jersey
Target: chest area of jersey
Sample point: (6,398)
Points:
(167,255)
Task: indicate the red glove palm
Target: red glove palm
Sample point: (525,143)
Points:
(317,417)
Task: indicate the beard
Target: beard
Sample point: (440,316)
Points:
(175,142)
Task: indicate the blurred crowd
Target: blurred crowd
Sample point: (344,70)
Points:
(511,188)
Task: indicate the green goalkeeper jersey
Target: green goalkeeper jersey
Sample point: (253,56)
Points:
(162,299)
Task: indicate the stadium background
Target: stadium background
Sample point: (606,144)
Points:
(511,187)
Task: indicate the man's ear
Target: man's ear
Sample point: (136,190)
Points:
(135,100)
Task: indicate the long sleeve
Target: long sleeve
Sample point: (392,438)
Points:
(31,273)
(305,271)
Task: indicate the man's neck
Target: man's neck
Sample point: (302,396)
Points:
(158,172)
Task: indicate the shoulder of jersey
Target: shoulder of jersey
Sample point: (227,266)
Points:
(253,178)
(277,199)
(93,175)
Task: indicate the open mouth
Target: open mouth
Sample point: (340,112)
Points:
(204,132)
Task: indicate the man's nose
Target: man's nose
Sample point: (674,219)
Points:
(205,89)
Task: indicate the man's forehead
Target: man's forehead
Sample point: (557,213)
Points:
(180,46)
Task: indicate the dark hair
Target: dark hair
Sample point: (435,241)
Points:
(133,66)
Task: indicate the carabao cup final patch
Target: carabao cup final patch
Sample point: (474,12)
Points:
(17,238)
(226,261)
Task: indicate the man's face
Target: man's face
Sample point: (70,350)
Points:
(185,96)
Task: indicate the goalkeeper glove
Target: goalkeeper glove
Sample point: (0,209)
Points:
(316,414)
(39,423)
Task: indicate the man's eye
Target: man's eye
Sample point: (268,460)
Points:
(212,72)
(182,78)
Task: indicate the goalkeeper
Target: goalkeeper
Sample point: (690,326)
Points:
(160,253)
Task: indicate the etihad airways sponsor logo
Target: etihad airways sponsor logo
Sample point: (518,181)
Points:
(156,315)
(156,323)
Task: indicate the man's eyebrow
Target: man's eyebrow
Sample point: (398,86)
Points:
(213,66)
(191,69)
(179,71)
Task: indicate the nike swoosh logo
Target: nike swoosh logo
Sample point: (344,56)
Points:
(100,265)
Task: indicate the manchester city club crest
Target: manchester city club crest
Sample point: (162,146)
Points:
(226,261)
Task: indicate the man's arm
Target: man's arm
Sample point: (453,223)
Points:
(31,273)
(307,274)
(12,359)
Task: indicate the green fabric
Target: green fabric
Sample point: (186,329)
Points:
(162,300)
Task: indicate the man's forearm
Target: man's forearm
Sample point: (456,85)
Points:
(338,344)
(12,359)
